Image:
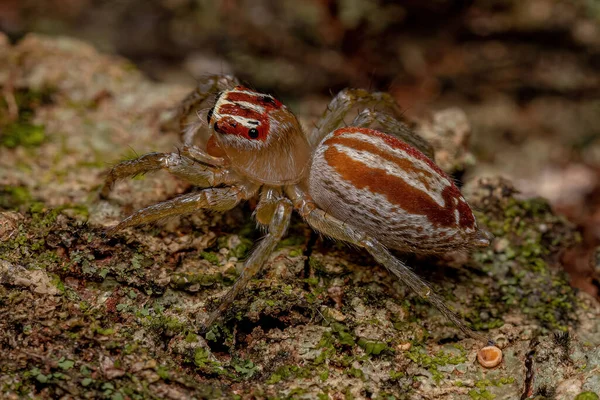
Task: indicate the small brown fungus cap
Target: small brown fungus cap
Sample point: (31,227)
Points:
(489,356)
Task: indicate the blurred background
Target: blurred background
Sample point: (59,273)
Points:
(526,73)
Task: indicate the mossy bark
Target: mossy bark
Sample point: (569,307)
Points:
(85,316)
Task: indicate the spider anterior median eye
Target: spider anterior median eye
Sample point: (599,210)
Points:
(253,133)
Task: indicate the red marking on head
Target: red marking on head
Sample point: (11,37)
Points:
(229,126)
(242,93)
(231,104)
(241,111)
(262,127)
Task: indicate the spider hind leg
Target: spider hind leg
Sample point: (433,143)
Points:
(376,110)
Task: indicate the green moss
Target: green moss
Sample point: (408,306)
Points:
(395,375)
(163,372)
(372,347)
(210,257)
(244,368)
(484,383)
(11,197)
(85,382)
(587,396)
(164,324)
(312,281)
(237,245)
(295,253)
(342,334)
(65,364)
(191,338)
(287,371)
(241,250)
(526,274)
(104,331)
(22,134)
(202,360)
(431,362)
(186,280)
(481,394)
(355,372)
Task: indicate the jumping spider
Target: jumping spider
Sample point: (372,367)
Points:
(374,188)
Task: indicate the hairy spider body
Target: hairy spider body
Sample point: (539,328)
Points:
(375,189)
(261,138)
(411,204)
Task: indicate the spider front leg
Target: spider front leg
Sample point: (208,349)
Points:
(179,164)
(218,199)
(278,226)
(334,228)
(203,96)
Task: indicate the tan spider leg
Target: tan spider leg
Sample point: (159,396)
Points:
(206,88)
(336,229)
(201,156)
(343,103)
(218,199)
(383,256)
(277,228)
(385,122)
(178,164)
(269,200)
(384,117)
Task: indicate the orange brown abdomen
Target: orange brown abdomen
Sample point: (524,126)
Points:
(391,191)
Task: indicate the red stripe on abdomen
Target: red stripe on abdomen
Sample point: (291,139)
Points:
(398,192)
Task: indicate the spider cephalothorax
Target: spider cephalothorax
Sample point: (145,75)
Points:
(260,136)
(241,113)
(375,189)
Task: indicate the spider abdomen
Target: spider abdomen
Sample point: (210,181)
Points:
(391,191)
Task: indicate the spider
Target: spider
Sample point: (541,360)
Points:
(371,184)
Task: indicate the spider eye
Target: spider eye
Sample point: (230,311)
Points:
(217,129)
(253,133)
(268,100)
(209,115)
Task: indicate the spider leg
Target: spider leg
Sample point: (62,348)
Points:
(383,256)
(265,209)
(277,228)
(197,154)
(337,229)
(178,164)
(218,199)
(385,122)
(343,103)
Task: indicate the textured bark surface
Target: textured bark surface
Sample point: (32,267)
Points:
(86,316)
